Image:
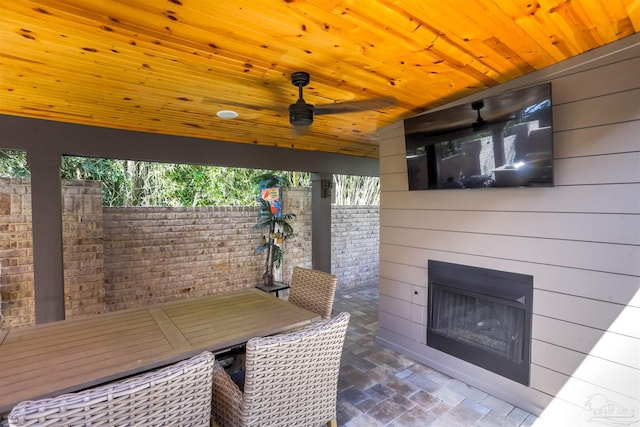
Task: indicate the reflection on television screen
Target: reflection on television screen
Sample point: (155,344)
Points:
(502,141)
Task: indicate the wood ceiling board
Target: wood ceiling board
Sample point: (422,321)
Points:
(168,66)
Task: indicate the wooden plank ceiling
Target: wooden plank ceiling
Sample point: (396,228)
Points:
(167,66)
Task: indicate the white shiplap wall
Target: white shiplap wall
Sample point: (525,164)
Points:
(580,240)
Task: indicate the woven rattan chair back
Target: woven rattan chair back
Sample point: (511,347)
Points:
(178,395)
(313,290)
(290,379)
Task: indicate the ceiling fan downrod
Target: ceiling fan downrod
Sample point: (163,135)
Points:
(300,113)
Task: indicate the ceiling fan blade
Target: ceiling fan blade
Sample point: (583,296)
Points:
(356,106)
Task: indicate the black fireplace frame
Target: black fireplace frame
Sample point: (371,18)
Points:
(513,289)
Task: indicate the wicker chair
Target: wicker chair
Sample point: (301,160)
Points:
(290,379)
(313,290)
(178,395)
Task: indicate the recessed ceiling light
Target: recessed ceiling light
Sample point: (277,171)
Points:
(227,114)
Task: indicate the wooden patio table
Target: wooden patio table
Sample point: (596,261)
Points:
(69,355)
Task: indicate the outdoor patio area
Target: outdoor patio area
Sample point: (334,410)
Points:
(380,387)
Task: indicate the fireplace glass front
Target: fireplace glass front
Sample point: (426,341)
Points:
(481,316)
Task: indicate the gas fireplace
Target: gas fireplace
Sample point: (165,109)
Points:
(481,316)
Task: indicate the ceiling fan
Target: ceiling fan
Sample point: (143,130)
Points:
(301,114)
(480,123)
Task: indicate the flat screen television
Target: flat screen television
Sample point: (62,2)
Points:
(500,141)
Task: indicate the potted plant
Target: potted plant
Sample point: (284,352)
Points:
(277,228)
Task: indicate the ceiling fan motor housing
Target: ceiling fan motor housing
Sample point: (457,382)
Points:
(301,113)
(477,105)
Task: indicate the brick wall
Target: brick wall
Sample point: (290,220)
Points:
(16,253)
(160,254)
(296,251)
(355,245)
(82,250)
(117,258)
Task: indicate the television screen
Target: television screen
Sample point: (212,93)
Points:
(501,141)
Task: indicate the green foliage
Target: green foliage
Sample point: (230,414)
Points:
(278,230)
(108,171)
(136,183)
(13,164)
(267,219)
(356,190)
(234,186)
(196,185)
(272,179)
(299,179)
(189,184)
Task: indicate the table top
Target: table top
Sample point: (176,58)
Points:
(69,355)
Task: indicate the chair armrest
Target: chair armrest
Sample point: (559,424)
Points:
(226,399)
